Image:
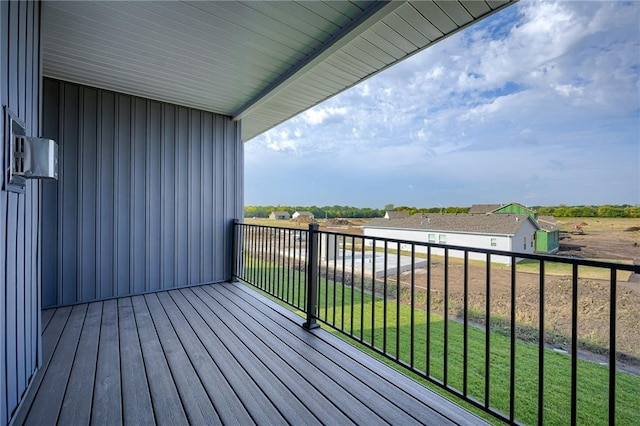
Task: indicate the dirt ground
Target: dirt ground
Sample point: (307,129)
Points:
(611,239)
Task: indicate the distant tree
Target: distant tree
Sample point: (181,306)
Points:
(604,211)
(388,207)
(336,211)
(632,211)
(544,211)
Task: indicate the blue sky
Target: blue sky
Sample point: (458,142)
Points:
(538,104)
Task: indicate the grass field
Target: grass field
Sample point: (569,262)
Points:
(394,329)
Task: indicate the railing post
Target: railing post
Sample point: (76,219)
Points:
(312,277)
(236,246)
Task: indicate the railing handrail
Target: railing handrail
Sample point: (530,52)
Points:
(272,255)
(533,256)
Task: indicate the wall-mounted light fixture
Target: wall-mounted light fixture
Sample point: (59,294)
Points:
(26,157)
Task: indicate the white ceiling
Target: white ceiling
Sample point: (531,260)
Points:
(259,61)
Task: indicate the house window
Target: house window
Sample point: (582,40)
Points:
(442,239)
(494,242)
(525,243)
(432,238)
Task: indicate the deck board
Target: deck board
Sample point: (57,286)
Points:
(374,391)
(325,380)
(58,320)
(136,398)
(293,411)
(296,371)
(167,405)
(193,395)
(45,409)
(399,389)
(76,408)
(107,392)
(221,394)
(257,404)
(214,354)
(46,318)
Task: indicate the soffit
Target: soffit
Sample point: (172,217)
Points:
(261,62)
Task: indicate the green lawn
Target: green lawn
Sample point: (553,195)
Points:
(341,307)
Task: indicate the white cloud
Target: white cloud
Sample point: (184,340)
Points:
(567,90)
(319,114)
(279,140)
(364,89)
(525,92)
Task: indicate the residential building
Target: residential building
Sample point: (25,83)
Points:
(302,215)
(507,232)
(400,214)
(547,237)
(280,215)
(483,208)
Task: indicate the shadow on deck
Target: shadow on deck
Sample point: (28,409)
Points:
(213,354)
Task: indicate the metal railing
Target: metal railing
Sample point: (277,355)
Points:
(462,318)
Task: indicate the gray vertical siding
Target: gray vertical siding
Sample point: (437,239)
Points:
(146,196)
(20,292)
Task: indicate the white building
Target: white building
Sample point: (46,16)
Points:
(279,215)
(304,214)
(506,232)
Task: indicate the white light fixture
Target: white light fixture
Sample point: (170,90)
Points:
(26,157)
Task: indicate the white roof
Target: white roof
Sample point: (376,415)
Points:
(261,62)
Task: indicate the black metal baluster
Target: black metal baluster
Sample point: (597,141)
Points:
(290,298)
(255,261)
(343,280)
(312,277)
(574,345)
(512,354)
(413,304)
(612,347)
(263,259)
(373,296)
(277,264)
(353,265)
(326,278)
(384,299)
(445,366)
(541,340)
(398,296)
(334,308)
(362,291)
(465,325)
(428,308)
(487,341)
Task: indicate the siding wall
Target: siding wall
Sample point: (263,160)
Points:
(146,197)
(19,292)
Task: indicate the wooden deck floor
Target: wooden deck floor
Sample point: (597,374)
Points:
(209,355)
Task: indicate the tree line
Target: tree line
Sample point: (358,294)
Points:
(332,212)
(325,212)
(624,210)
